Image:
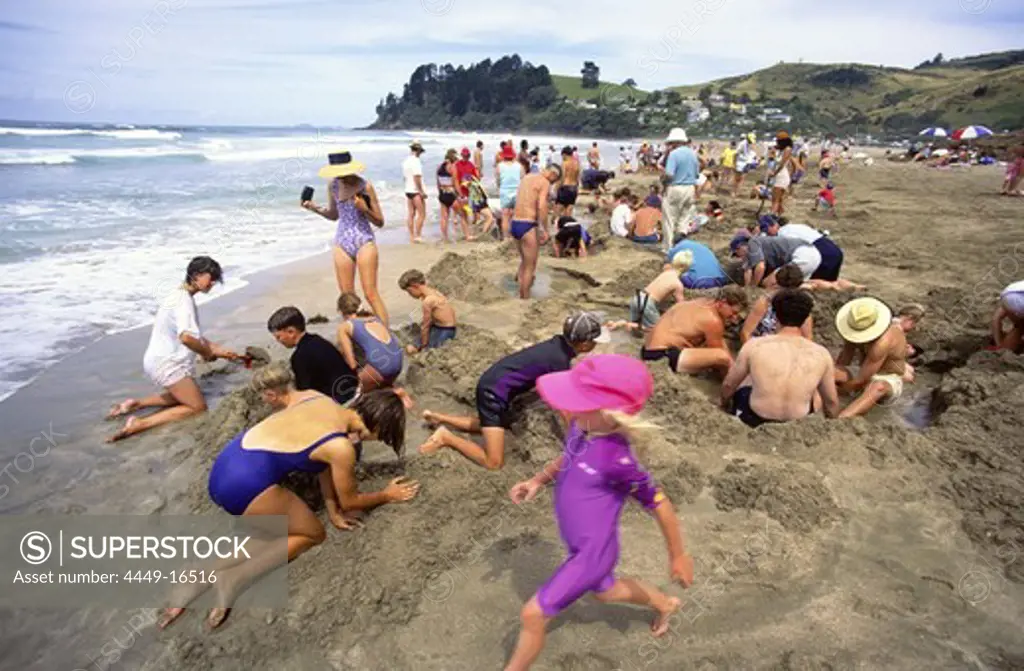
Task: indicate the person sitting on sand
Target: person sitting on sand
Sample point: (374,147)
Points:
(763,255)
(762,320)
(381,349)
(316,363)
(600,399)
(531,211)
(169,360)
(785,369)
(868,329)
(622,214)
(307,433)
(705,271)
(760,191)
(691,335)
(645,226)
(826,200)
(643,306)
(714,210)
(1011,308)
(571,239)
(826,275)
(505,381)
(438,325)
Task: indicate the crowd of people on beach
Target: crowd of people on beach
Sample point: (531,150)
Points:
(331,397)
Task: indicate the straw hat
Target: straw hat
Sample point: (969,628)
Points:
(677,135)
(863,320)
(340,164)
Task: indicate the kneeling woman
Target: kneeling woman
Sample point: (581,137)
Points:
(309,432)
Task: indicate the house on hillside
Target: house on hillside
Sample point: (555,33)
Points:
(778,118)
(738,108)
(716,100)
(699,114)
(692,103)
(583,104)
(770,110)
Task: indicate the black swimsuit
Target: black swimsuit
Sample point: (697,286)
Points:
(741,408)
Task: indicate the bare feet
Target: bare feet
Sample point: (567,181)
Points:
(122,408)
(661,623)
(127,430)
(417,240)
(216,617)
(431,418)
(470,238)
(169,616)
(435,442)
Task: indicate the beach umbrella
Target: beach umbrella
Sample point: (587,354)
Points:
(934,132)
(971,133)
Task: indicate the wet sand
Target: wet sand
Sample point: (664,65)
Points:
(889,542)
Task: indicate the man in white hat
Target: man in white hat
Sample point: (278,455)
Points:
(868,329)
(682,170)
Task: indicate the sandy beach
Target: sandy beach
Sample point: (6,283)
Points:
(889,542)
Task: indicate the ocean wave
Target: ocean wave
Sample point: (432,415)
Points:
(69,156)
(119,134)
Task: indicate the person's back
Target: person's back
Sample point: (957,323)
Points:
(682,326)
(509,174)
(518,372)
(683,167)
(705,268)
(664,285)
(647,221)
(294,429)
(570,172)
(318,365)
(532,188)
(785,371)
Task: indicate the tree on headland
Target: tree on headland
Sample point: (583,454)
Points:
(704,95)
(631,83)
(591,75)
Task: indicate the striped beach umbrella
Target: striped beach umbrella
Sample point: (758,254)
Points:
(971,133)
(934,132)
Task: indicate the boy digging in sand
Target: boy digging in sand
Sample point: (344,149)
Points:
(438,325)
(600,399)
(643,306)
(506,380)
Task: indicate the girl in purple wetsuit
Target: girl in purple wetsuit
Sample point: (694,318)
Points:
(595,474)
(353,203)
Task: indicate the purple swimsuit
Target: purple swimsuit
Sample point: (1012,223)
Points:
(597,475)
(354,228)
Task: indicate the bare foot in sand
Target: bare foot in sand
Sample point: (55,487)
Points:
(169,616)
(470,238)
(435,442)
(661,623)
(417,240)
(123,408)
(406,399)
(430,418)
(126,430)
(216,617)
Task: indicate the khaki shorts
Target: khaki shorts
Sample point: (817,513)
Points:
(895,383)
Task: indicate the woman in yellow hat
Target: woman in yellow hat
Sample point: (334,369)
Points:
(353,203)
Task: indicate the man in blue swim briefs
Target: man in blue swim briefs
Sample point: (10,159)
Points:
(506,380)
(531,210)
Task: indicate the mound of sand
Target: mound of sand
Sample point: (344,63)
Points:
(462,277)
(793,496)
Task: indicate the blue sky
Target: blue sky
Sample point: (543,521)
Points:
(328,62)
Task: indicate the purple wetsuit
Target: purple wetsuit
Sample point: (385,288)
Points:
(597,474)
(354,229)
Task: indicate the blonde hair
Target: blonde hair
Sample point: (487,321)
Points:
(277,376)
(682,260)
(635,427)
(914,311)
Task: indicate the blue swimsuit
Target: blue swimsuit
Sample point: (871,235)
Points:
(386,358)
(239,474)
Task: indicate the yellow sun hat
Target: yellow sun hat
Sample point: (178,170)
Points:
(863,320)
(340,164)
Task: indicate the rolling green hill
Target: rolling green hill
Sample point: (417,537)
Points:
(987,89)
(571,87)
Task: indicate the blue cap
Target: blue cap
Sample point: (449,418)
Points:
(767,221)
(830,185)
(736,242)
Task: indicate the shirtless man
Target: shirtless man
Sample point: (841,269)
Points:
(785,370)
(643,306)
(646,225)
(478,158)
(594,157)
(691,334)
(868,329)
(569,185)
(532,210)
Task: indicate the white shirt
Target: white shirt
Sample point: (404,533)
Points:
(1013,288)
(622,215)
(800,232)
(175,316)
(412,167)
